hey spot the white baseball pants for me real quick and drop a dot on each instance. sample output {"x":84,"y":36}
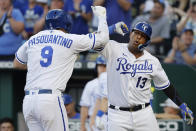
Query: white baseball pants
{"x":142,"y":120}
{"x":45,"y":112}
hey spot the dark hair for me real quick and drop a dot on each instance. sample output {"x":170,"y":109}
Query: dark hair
{"x":7,"y":120}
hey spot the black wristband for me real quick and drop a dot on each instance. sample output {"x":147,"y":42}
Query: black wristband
{"x":172,"y":93}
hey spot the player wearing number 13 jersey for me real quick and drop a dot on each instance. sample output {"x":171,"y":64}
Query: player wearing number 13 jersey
{"x":130,"y":70}
{"x":50,"y":56}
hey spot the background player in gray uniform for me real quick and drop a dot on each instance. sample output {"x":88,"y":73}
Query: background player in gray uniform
{"x":130,"y":70}
{"x":50,"y":56}
{"x":89,"y":97}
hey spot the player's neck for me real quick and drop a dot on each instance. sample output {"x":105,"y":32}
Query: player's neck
{"x":136,"y":53}
{"x":63,"y":30}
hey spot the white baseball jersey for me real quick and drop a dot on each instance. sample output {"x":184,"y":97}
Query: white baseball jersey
{"x":129,"y":79}
{"x":50,"y":56}
{"x":88,"y":98}
{"x":101,"y":91}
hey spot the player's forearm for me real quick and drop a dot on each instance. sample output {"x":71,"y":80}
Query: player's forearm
{"x":124,"y":4}
{"x":104,"y":105}
{"x":172,"y":93}
{"x":18,"y":65}
{"x":188,"y":59}
{"x":102,"y":35}
{"x":84,"y":115}
{"x":96,"y":108}
{"x":170,"y":57}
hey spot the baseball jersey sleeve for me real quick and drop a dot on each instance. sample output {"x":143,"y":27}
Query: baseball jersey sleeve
{"x":92,"y":40}
{"x":160,"y":78}
{"x":110,"y":47}
{"x":21,"y":54}
{"x":85,"y":101}
{"x":103,"y":84}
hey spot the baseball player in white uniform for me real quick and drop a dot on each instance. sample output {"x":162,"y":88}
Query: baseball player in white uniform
{"x":130,"y":69}
{"x":50,"y":56}
{"x":89,"y":97}
{"x":101,"y":113}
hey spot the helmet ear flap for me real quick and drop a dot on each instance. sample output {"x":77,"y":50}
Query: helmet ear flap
{"x":142,"y":46}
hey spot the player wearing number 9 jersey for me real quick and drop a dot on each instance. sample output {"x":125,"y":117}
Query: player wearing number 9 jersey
{"x":50,"y":56}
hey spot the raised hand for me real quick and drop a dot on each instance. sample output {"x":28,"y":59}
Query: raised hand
{"x":185,"y":111}
{"x":99,"y":11}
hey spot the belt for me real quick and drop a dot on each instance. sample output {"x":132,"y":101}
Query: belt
{"x":42,"y":91}
{"x":134,"y":108}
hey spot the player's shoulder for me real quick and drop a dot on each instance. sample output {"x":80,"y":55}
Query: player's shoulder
{"x":150,"y":56}
{"x":103,"y":75}
{"x":116,"y":44}
{"x":92,"y":82}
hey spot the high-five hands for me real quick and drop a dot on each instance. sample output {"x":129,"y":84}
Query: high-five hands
{"x":99,"y":11}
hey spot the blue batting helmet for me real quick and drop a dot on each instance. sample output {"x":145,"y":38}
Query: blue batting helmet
{"x":100,"y":60}
{"x":146,"y":29}
{"x":143,"y":27}
{"x":57,"y":19}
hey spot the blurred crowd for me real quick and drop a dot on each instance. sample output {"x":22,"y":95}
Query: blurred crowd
{"x":173,"y":23}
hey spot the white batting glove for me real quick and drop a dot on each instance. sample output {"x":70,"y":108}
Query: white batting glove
{"x":99,"y":11}
{"x":121,"y":28}
{"x":99,"y":123}
{"x":98,"y":120}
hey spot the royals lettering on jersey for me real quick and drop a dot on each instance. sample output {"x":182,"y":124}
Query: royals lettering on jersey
{"x":132,"y":69}
{"x":52,"y":39}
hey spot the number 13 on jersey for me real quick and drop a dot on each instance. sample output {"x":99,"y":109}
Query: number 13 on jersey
{"x":46,"y":54}
{"x":141,"y":82}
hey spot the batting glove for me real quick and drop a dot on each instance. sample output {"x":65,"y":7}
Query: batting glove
{"x":119,"y":28}
{"x":99,"y":121}
{"x":99,"y":11}
{"x":185,"y":111}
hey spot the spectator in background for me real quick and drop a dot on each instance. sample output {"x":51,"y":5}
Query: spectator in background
{"x":70,"y":107}
{"x":171,"y":110}
{"x":31,"y":12}
{"x":54,"y":4}
{"x":160,"y":27}
{"x":189,"y":20}
{"x":20,"y":3}
{"x":6,"y":124}
{"x":11,"y":25}
{"x":183,"y":50}
{"x":117,"y":10}
{"x":81,"y":13}
{"x":149,"y":4}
